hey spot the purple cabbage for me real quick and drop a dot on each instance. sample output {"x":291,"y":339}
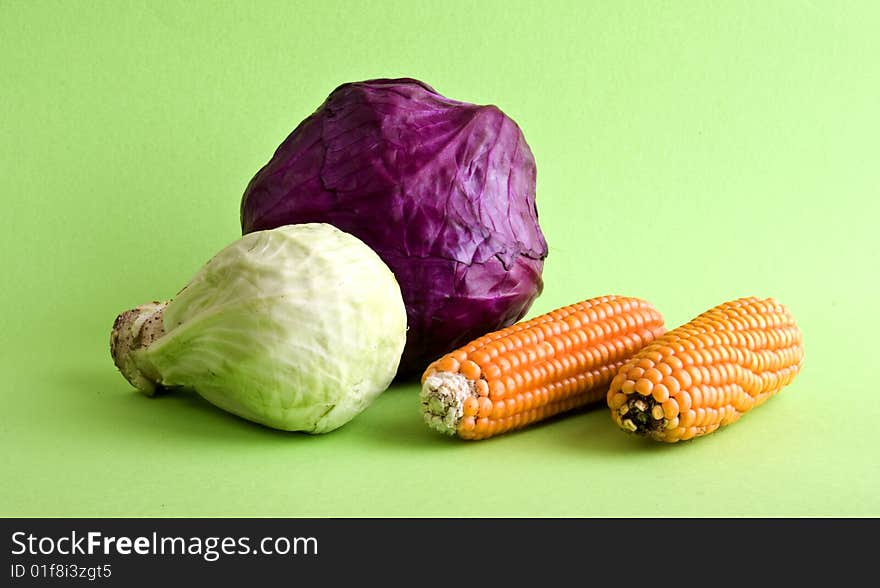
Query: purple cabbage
{"x":442,"y":190}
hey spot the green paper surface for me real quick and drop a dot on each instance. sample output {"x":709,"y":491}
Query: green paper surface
{"x":688,"y":153}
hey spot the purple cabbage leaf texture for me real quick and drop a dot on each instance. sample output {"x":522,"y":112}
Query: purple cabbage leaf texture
{"x":442,"y":190}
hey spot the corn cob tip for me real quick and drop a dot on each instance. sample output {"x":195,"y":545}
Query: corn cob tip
{"x":442,"y":398}
{"x":641,"y":415}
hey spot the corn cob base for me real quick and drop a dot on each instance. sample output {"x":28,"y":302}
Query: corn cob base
{"x":443,"y":397}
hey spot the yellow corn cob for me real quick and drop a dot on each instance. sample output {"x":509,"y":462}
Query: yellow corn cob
{"x":537,"y":368}
{"x":709,"y":372}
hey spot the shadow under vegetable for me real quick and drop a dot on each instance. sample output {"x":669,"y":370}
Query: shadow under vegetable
{"x":110,"y":403}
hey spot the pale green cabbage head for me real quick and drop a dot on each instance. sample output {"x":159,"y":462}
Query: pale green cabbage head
{"x":298,"y":328}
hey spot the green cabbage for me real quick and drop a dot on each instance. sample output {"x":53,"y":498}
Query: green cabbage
{"x":298,"y":328}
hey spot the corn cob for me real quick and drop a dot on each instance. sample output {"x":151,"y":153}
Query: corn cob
{"x":535,"y":369}
{"x":709,"y":372}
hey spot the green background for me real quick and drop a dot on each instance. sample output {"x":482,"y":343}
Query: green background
{"x":688,"y":153}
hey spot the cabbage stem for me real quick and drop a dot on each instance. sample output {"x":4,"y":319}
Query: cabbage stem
{"x":134,"y":330}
